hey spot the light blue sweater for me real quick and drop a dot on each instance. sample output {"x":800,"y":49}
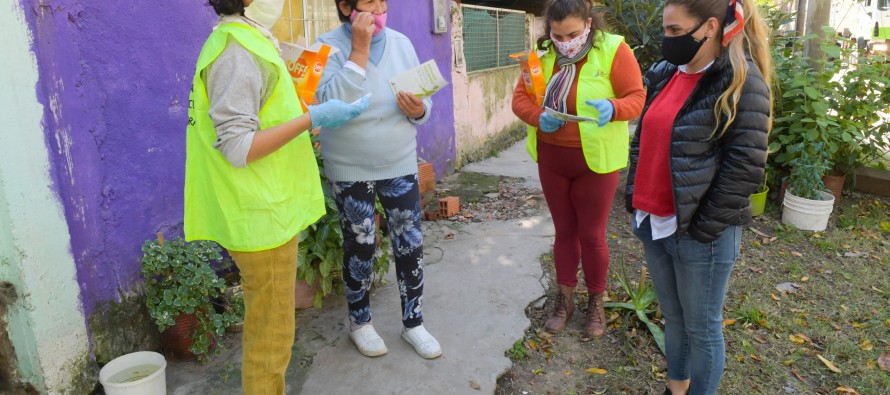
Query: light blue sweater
{"x":382,"y":142}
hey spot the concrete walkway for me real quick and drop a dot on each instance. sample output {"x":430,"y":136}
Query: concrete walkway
{"x":479,"y":279}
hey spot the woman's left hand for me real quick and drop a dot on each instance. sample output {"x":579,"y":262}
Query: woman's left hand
{"x":411,"y":105}
{"x":605,"y":108}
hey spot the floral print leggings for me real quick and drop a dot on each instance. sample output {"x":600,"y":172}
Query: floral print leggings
{"x":400,"y":198}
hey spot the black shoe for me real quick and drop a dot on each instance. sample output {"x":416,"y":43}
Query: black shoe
{"x":667,"y":391}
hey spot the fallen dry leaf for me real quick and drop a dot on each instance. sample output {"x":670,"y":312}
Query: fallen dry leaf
{"x":794,"y":372}
{"x":728,"y":323}
{"x":797,"y":254}
{"x":567,"y":373}
{"x":532,"y":345}
{"x":846,"y":390}
{"x":804,"y":279}
{"x":597,"y":371}
{"x":877,"y":290}
{"x":866,"y":345}
{"x":798,"y":339}
{"x":884,"y":361}
{"x":756,"y":270}
{"x":774,"y":297}
{"x":788,"y":287}
{"x":759,"y":233}
{"x":831,"y":366}
{"x":474,"y":385}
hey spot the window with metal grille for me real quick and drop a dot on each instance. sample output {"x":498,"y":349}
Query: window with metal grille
{"x":306,"y":18}
{"x":491,"y":35}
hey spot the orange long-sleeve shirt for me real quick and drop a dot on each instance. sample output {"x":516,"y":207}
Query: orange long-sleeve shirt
{"x":630,"y":97}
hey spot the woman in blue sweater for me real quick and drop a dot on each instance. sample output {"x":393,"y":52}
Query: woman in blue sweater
{"x":375,"y":155}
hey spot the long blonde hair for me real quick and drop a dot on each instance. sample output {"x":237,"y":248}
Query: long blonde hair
{"x":752,"y":41}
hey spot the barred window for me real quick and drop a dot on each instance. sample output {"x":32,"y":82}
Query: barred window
{"x":306,"y":18}
{"x":491,"y":35}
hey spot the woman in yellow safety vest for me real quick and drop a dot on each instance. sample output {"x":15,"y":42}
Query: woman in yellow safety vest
{"x":252,"y":183}
{"x":592,"y":74}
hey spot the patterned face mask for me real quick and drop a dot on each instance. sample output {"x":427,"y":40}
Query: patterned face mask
{"x":571,"y":48}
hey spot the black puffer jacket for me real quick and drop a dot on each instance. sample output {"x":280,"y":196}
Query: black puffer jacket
{"x":713,"y":178}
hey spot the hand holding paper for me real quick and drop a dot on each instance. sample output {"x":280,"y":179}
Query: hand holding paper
{"x":550,"y":124}
{"x":411,"y":105}
{"x":606,"y":109}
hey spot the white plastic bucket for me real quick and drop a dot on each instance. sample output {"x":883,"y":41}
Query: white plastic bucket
{"x":807,"y":214}
{"x":138,"y":373}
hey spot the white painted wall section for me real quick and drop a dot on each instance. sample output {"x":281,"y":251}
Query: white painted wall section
{"x":46,"y":325}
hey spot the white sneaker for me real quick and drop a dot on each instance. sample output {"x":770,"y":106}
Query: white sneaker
{"x":367,"y":341}
{"x":423,"y":342}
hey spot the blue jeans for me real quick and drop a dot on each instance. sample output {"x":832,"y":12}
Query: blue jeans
{"x":690,"y":280}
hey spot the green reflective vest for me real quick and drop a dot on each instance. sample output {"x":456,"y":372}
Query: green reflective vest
{"x":605,"y":148}
{"x":267,"y":203}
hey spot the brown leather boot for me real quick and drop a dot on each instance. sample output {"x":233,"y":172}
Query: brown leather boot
{"x":596,"y":317}
{"x":562,"y":310}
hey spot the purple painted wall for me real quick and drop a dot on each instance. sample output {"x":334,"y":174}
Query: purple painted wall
{"x":435,"y":138}
{"x":114,"y":79}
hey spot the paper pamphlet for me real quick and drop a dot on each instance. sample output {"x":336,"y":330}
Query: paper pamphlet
{"x":532,"y":75}
{"x":422,"y":81}
{"x":567,"y":117}
{"x":306,"y":66}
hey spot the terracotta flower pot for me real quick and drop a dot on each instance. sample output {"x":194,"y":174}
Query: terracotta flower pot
{"x":304,"y":295}
{"x":177,"y":339}
{"x":835,"y":184}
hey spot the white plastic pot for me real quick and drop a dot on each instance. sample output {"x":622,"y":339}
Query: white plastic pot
{"x":138,"y":373}
{"x":806,"y":214}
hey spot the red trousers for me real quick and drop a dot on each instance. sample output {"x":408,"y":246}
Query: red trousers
{"x":580,"y":201}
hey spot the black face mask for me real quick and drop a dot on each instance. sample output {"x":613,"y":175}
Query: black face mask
{"x":681,"y":50}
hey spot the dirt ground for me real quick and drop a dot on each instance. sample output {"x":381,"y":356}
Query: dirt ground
{"x":826,"y":331}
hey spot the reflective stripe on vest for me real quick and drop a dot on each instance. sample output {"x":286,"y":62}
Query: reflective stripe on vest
{"x":605,"y":148}
{"x":267,"y":203}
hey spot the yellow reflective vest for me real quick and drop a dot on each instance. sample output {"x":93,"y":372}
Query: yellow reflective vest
{"x":605,"y":148}
{"x":267,"y":203}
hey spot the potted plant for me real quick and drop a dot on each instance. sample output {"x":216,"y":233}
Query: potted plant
{"x":807,"y":205}
{"x":320,"y":254}
{"x":758,"y":198}
{"x":182,"y":285}
{"x":860,"y":97}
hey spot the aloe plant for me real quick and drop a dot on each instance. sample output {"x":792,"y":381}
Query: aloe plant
{"x":642,"y":302}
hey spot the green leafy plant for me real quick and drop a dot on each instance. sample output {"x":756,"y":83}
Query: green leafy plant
{"x":807,"y":168}
{"x":320,"y":257}
{"x":640,"y":24}
{"x":642,"y":303}
{"x":860,"y":98}
{"x":839,"y":99}
{"x":180,"y":279}
{"x":518,"y":351}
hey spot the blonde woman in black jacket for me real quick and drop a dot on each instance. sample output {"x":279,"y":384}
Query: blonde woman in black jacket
{"x":697,"y":156}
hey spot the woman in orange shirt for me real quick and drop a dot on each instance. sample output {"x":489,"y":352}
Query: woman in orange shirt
{"x":579,"y":163}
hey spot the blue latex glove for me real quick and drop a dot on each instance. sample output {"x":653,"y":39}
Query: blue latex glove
{"x":333,"y":114}
{"x":606,"y":109}
{"x":550,"y":124}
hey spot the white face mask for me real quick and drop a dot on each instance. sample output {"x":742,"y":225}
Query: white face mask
{"x":571,"y":48}
{"x":265,"y":12}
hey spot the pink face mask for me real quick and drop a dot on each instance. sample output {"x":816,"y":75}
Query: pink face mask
{"x":571,"y":48}
{"x":379,"y":21}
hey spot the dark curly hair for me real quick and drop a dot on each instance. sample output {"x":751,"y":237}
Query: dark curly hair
{"x":227,"y":7}
{"x":351,"y":3}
